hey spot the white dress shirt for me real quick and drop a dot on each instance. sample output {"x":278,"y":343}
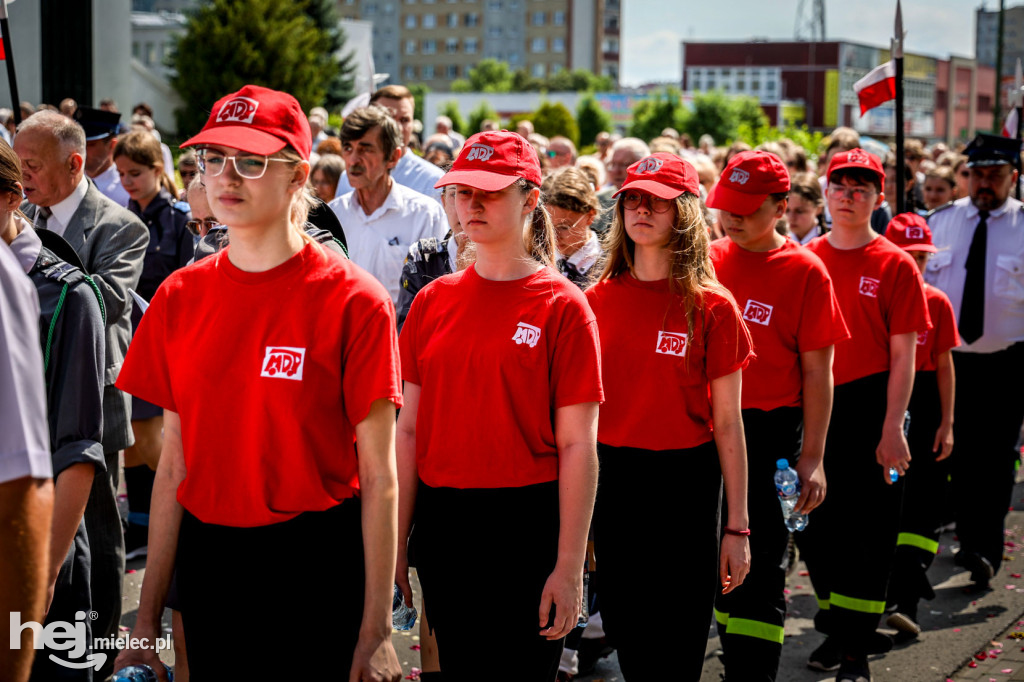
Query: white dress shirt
{"x":586,"y":256}
{"x":411,"y":171}
{"x":109,"y":184}
{"x":952,"y":232}
{"x":64,"y":209}
{"x":379,"y":242}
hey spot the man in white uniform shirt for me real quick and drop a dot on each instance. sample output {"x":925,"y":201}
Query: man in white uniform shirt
{"x":100,"y":139}
{"x":411,"y":170}
{"x":380,"y":216}
{"x":980,"y":266}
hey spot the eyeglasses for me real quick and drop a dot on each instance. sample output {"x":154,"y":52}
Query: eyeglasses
{"x":854,"y":193}
{"x":632,"y":201}
{"x":566,"y":227}
{"x":196,"y":226}
{"x":248,"y":166}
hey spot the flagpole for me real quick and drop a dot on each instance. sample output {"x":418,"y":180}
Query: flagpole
{"x":897,"y":54}
{"x":9,"y":60}
{"x":1018,"y":102}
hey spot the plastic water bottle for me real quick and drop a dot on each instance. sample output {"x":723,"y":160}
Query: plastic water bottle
{"x":894,"y":475}
{"x":787,"y":484}
{"x":402,"y":617}
{"x":140,"y":673}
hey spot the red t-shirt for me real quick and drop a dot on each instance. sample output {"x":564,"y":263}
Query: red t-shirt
{"x":943,"y":335}
{"x":269,"y":371}
{"x":657,"y":378}
{"x":881,"y":294}
{"x":494,"y":360}
{"x":790,"y":308}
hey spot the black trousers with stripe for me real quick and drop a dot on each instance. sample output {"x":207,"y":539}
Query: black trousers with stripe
{"x":923,"y":487}
{"x":986,"y":427}
{"x":652,"y":505}
{"x":848,"y":544}
{"x":751,"y":617}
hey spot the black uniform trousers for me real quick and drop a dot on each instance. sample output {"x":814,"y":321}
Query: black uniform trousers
{"x":850,"y":539}
{"x":483,"y":557}
{"x":923,"y":487}
{"x":751,"y":617}
{"x":652,"y":505}
{"x":986,"y":426}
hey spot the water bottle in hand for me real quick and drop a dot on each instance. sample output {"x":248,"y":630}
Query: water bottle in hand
{"x":787,"y":484}
{"x":140,"y":673}
{"x":402,"y":617}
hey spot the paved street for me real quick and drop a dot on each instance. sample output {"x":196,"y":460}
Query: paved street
{"x":957,"y":627}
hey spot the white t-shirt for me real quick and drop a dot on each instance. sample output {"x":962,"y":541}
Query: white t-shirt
{"x":109,"y":184}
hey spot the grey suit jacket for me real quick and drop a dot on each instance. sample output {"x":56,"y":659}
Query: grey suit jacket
{"x":111,"y":242}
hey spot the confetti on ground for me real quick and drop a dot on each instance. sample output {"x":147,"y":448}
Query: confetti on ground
{"x":130,"y":570}
{"x":414,"y":674}
{"x":956,"y":629}
{"x":124,"y":628}
{"x":785,"y":591}
{"x":1006,"y":671}
{"x":415,"y":647}
{"x":805,"y":573}
{"x":972,"y":664}
{"x":1011,"y":587}
{"x":981,"y":655}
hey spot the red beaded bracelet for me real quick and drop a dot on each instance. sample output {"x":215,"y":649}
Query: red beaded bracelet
{"x":743,"y":533}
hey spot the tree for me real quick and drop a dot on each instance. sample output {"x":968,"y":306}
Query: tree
{"x":341,"y":87}
{"x":555,"y":119}
{"x":419,"y":92}
{"x":451,"y":110}
{"x":481,"y":113}
{"x":489,"y":75}
{"x":228,"y":44}
{"x":653,"y":115}
{"x":591,"y":119}
{"x":721,"y":116}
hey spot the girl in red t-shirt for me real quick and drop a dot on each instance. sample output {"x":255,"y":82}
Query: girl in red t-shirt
{"x":270,"y":359}
{"x":673,"y":345}
{"x":497,"y":439}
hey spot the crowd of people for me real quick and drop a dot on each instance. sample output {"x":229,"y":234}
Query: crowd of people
{"x":332,"y":356}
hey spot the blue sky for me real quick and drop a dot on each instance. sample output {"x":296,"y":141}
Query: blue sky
{"x":652,"y":33}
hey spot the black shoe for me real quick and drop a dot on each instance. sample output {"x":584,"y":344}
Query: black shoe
{"x":980,"y":568}
{"x":826,"y":657}
{"x":854,"y":670}
{"x":590,"y":651}
{"x":879,"y":643}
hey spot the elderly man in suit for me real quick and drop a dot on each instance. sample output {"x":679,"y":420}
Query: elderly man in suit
{"x":111,"y":243}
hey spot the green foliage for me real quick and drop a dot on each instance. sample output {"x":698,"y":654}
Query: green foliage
{"x":228,"y":44}
{"x":591,"y":119}
{"x":721,"y":116}
{"x":419,"y":92}
{"x":489,"y":75}
{"x":651,"y":116}
{"x":341,"y":86}
{"x":451,"y":110}
{"x":553,"y":119}
{"x":482,"y":112}
{"x":811,"y":141}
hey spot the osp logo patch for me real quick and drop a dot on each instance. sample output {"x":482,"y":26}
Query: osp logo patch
{"x":526,"y":333}
{"x":857,"y":156}
{"x":760,"y":313}
{"x":480,"y":152}
{"x":915,"y":233}
{"x":238,"y":110}
{"x":739,"y":176}
{"x":283,"y":362}
{"x":649,"y":165}
{"x":869,"y":287}
{"x":922,"y":338}
{"x":671,"y":343}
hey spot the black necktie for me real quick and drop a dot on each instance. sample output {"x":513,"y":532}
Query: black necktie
{"x":972,"y":307}
{"x":42,"y":215}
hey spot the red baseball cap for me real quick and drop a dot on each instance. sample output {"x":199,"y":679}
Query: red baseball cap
{"x":664,"y":175}
{"x":747,"y":181}
{"x":857,"y":158}
{"x":493,"y":160}
{"x":910,"y":232}
{"x":257,"y":120}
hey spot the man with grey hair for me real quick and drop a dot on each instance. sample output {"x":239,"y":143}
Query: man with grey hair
{"x":111,"y":243}
{"x":382,"y":218}
{"x":561,"y":152}
{"x":444,"y":126}
{"x":624,"y":153}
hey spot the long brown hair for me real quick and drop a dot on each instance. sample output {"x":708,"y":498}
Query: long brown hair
{"x":691,"y":274}
{"x":539,"y":238}
{"x":142,"y":148}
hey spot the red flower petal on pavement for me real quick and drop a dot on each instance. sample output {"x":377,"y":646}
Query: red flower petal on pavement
{"x":415,"y":647}
{"x":130,"y":570}
{"x":972,"y":664}
{"x":1006,"y":671}
{"x":981,"y":655}
{"x":803,"y":574}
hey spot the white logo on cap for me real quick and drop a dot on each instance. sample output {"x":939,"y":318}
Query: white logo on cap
{"x":238,"y":110}
{"x":480,"y":152}
{"x":915,"y":233}
{"x":649,"y":165}
{"x":857,"y":156}
{"x":739,"y":176}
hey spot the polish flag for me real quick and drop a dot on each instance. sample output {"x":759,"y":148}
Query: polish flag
{"x":877,"y":87}
{"x":1010,"y":124}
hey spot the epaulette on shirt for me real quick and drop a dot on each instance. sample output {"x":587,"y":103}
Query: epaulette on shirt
{"x":423,"y":249}
{"x":937,"y":209}
{"x":59,"y":270}
{"x":182,"y":206}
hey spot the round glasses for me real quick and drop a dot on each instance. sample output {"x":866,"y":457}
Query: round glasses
{"x":196,"y":226}
{"x":854,"y":193}
{"x":249,"y":166}
{"x":632,"y":201}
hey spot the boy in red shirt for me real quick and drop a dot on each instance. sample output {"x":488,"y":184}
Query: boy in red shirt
{"x":789,"y":305}
{"x":881,"y":296}
{"x":930,"y":437}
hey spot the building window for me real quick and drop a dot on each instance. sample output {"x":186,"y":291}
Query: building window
{"x":428,"y":72}
{"x":538,"y":45}
{"x":136,"y":50}
{"x":429,"y":21}
{"x":494,"y":4}
{"x":494,"y":32}
{"x":453,"y":20}
{"x":611,"y":23}
{"x":558,"y":44}
{"x":410,"y":72}
{"x":389,"y":8}
{"x":429,"y":47}
{"x":451,"y":45}
{"x":452,"y":72}
{"x":369,"y":9}
{"x":538,"y":71}
{"x":558,"y":18}
{"x":472,"y":19}
{"x":556,"y":67}
{"x":469,"y":45}
{"x":537,"y":18}
{"x":410,"y":47}
{"x":514,"y":58}
{"x":410,"y":21}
